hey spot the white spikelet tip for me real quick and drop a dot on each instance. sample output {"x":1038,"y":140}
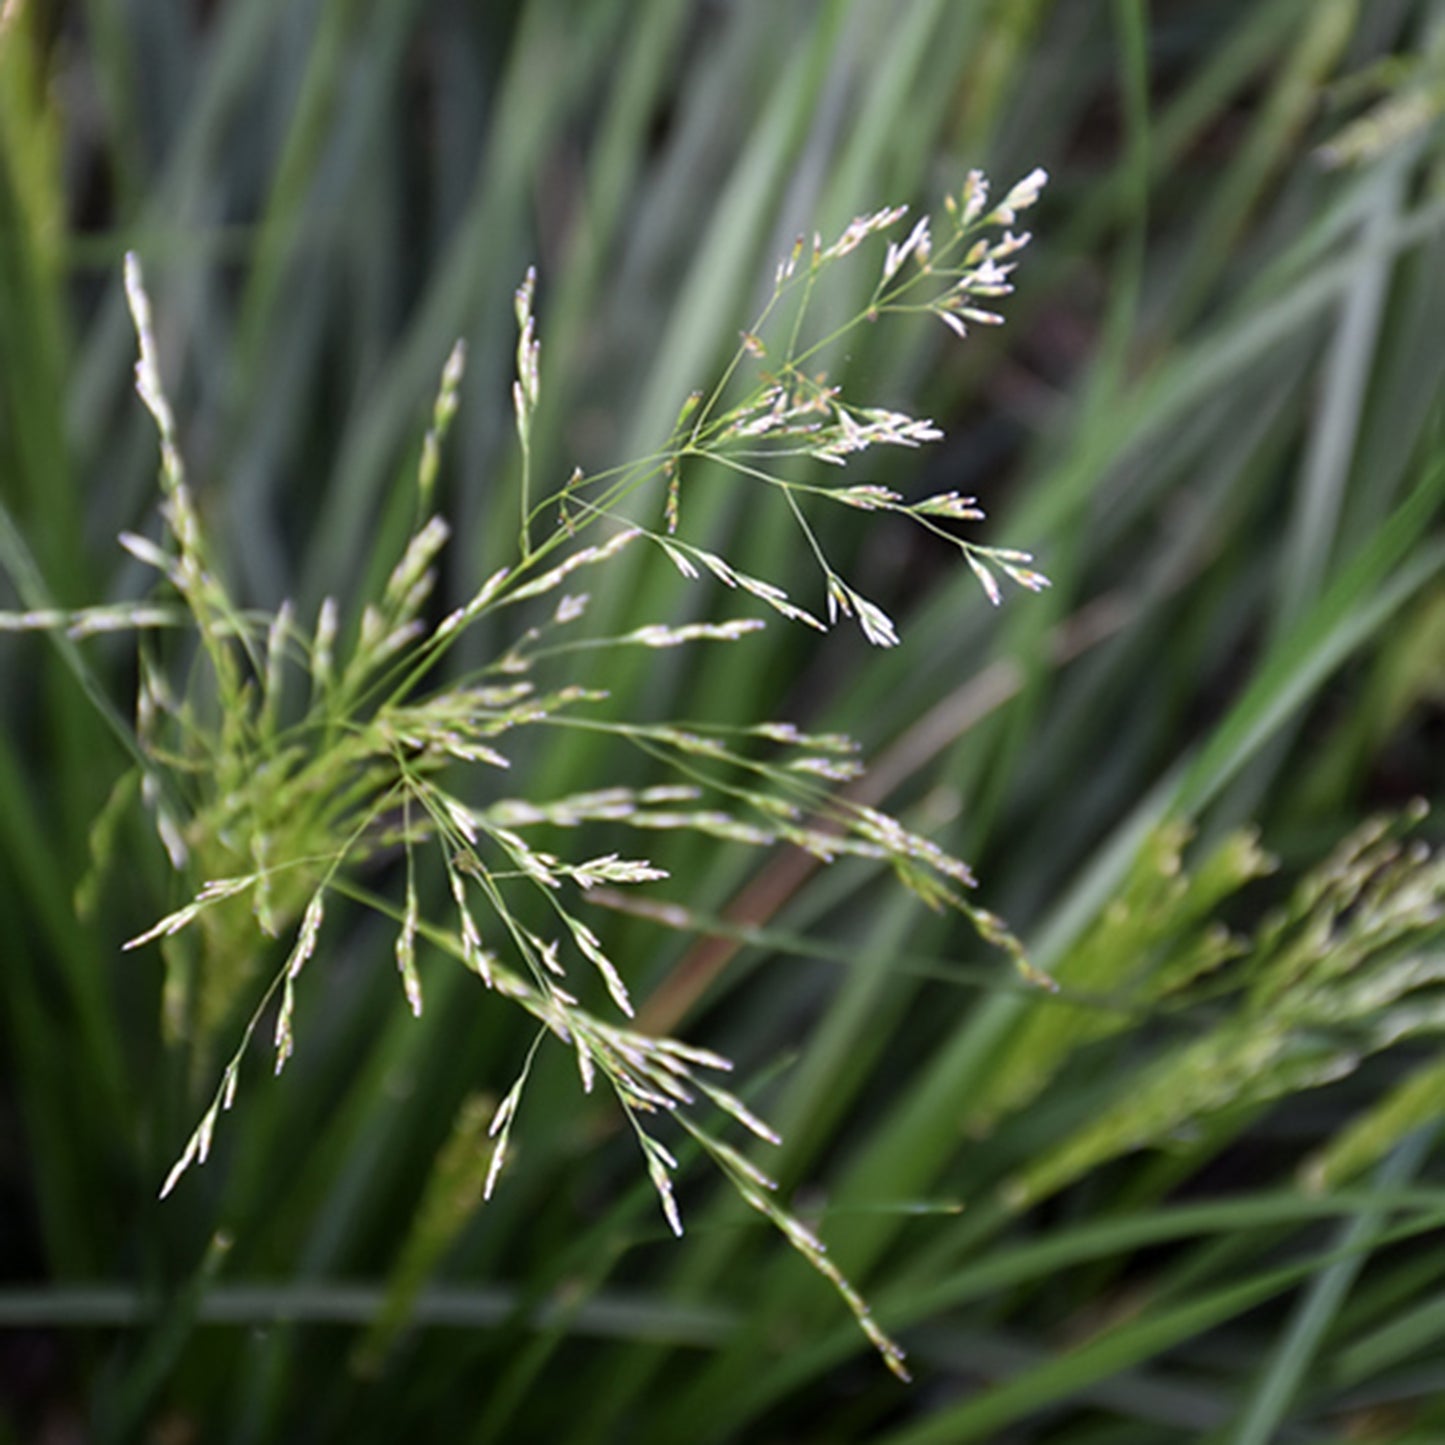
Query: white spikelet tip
{"x":669,"y":1209}
{"x":179,"y":1168}
{"x":135,"y":293}
{"x":456,"y":365}
{"x":494,"y":1168}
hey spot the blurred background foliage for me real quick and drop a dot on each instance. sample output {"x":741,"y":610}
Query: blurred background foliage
{"x":1196,"y":1195}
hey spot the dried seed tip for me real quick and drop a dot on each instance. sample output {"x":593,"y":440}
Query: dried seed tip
{"x":867,"y":498}
{"x":420,"y":552}
{"x":657,"y":1172}
{"x":144,"y":550}
{"x":731,"y":1104}
{"x":829,"y":768}
{"x":527,"y":387}
{"x":877,"y":626}
{"x":135,"y":294}
{"x":612,"y":869}
{"x":180,"y":1166}
{"x":586,"y":557}
{"x":406,"y":952}
{"x":716,"y":566}
{"x":589,"y":945}
{"x":494,"y":1169}
{"x":452,"y":373}
{"x":950,"y":504}
{"x":1036,"y":977}
{"x":324,"y":642}
{"x":147,"y":370}
{"x":973,"y":198}
{"x":918,"y":244}
{"x":679,"y":560}
{"x":789,"y":264}
{"x":306,"y":939}
{"x":690,"y":404}
{"x":1027,"y":577}
{"x":778,"y":732}
{"x":484,"y":595}
{"x":951,"y":321}
{"x":894,"y":1359}
{"x":570,"y":608}
{"x":658,"y":635}
{"x":859,"y":229}
{"x":504,"y":1111}
{"x":522,"y":298}
{"x":276,"y":637}
{"x":585,"y":1068}
{"x":205,"y":1133}
{"x":705,"y":1058}
{"x":211,"y":892}
{"x":547,"y":951}
{"x":989,"y":581}
{"x":1026,"y":193}
{"x":997,"y":252}
{"x":285,"y":1043}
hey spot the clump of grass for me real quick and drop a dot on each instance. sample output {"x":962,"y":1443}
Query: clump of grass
{"x":285,"y":769}
{"x":1348,"y":966}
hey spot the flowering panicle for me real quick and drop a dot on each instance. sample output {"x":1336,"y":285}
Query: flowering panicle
{"x":291,"y":795}
{"x":795,"y":413}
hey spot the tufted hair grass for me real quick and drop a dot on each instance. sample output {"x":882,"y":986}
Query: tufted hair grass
{"x":1191,"y":1193}
{"x":285,"y":771}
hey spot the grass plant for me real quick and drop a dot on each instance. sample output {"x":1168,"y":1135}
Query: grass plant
{"x":1193,"y":1192}
{"x":288,"y":809}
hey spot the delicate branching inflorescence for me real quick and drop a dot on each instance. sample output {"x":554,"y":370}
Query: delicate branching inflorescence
{"x":793,"y":414}
{"x":278,"y":807}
